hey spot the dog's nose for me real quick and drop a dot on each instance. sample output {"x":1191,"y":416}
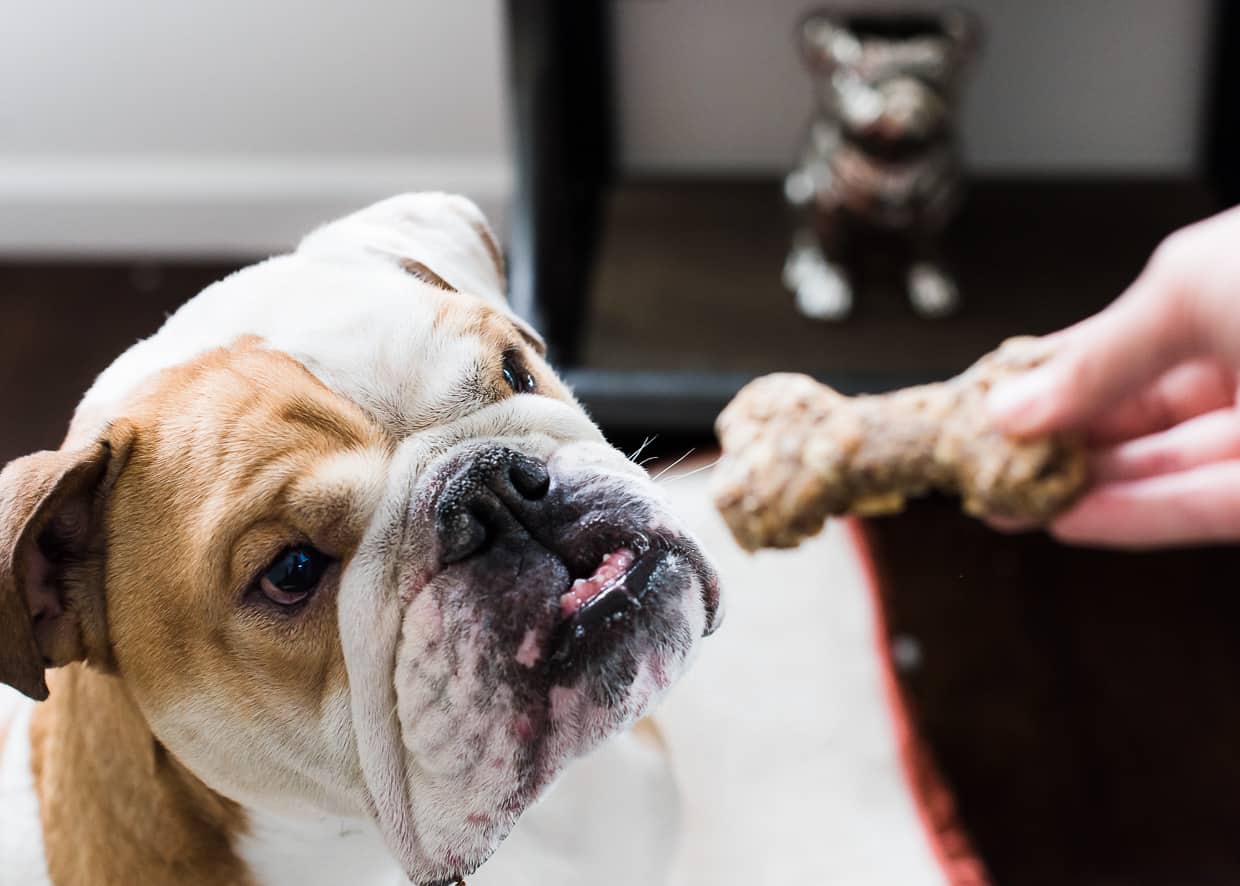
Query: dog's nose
{"x":490,"y":497}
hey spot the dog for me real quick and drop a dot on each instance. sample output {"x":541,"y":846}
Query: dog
{"x":329,"y":580}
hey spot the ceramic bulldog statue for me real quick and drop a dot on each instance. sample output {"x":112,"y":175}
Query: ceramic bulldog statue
{"x":880,"y":154}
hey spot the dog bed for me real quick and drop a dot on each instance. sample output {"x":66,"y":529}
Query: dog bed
{"x":917,"y":699}
{"x":791,"y":738}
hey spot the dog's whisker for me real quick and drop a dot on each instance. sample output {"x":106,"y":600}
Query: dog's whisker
{"x":705,"y":467}
{"x":640,"y":449}
{"x":647,"y":460}
{"x":673,"y":464}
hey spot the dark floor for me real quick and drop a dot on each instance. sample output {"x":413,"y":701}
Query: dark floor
{"x":61,"y":324}
{"x":1083,"y":705}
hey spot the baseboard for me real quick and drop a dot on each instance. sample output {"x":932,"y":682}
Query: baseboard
{"x":169,"y":206}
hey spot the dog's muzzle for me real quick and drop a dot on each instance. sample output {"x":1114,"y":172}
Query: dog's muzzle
{"x":547,"y":601}
{"x":565,"y":570}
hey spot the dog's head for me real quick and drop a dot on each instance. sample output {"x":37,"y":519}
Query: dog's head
{"x":351,"y":546}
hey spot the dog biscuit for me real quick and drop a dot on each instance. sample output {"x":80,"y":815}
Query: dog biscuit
{"x":796,"y":451}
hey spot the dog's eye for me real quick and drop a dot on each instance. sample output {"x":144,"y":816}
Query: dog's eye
{"x":516,"y":376}
{"x":294,"y":575}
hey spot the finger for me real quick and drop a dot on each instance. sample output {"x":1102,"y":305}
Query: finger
{"x":1208,"y":438}
{"x":1195,"y":506}
{"x":1190,"y":389}
{"x":1097,"y":363}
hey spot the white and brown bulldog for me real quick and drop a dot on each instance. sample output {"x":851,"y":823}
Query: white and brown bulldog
{"x":335,"y":577}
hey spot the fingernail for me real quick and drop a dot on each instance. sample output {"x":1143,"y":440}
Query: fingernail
{"x":1019,"y":403}
{"x":1010,"y":525}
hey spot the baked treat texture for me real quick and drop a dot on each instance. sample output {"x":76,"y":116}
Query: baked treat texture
{"x":796,"y":451}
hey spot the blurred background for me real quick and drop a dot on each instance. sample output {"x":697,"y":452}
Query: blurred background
{"x":632,"y":154}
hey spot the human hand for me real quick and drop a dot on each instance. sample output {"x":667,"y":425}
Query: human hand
{"x":1151,"y":382}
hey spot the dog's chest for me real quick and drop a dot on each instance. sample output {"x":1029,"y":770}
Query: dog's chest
{"x":316,"y":852}
{"x":21,"y":835}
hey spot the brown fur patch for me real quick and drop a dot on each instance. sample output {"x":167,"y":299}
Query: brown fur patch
{"x":233,"y":457}
{"x":115,"y":806}
{"x":230,"y":441}
{"x":425,"y":274}
{"x":488,"y":240}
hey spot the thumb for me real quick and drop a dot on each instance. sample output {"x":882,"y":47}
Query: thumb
{"x":1096,"y":363}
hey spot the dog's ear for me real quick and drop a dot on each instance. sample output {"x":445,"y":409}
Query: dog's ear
{"x":822,"y":41}
{"x":51,"y":560}
{"x":963,"y":28}
{"x":443,"y":239}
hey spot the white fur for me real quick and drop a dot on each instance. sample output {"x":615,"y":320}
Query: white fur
{"x":316,"y":850}
{"x":22,"y":861}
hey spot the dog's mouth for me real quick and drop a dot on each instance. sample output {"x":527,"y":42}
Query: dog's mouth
{"x":624,"y":582}
{"x":585,"y":594}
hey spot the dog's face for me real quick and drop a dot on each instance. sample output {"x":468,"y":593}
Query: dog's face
{"x":362,"y":555}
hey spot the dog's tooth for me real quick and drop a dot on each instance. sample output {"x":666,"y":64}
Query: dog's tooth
{"x":608,"y":577}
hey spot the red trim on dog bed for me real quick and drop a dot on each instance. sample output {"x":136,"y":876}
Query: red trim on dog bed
{"x":936,"y":806}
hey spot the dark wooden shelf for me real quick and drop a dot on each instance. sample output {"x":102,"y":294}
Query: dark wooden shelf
{"x":686,"y":302}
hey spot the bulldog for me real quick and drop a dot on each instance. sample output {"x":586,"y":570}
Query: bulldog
{"x":329,"y":580}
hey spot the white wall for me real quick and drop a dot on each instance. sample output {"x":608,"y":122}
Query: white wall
{"x":190,"y":126}
{"x":1110,"y":86}
{"x":232,"y":126}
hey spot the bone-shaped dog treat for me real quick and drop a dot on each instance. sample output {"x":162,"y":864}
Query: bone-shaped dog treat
{"x":796,"y":452}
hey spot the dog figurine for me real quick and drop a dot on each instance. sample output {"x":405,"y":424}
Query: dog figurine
{"x":880,"y":153}
{"x":329,"y":580}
